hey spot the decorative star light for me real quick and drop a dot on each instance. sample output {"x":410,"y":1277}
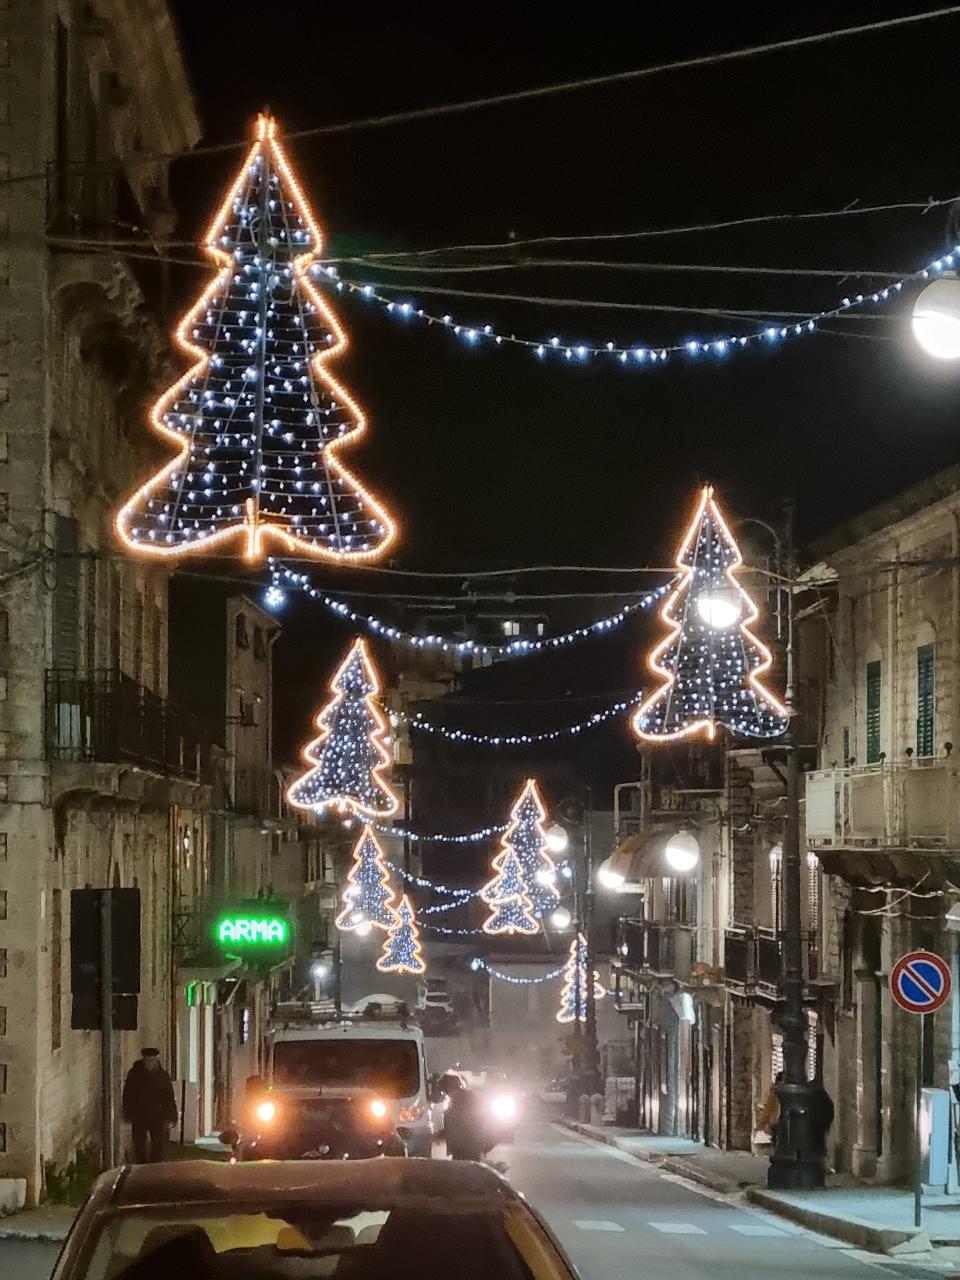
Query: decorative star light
{"x":709,"y":662}
{"x":258,"y":421}
{"x":348,"y":758}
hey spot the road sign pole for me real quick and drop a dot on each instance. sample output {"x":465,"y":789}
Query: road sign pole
{"x":106,"y":1029}
{"x":918,"y":1154}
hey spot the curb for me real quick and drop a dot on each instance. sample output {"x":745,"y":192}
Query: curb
{"x":855,"y":1231}
{"x":37,"y":1236}
{"x":672,"y":1164}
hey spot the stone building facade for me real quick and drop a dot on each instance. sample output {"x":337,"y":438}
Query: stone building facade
{"x":100,"y":778}
{"x":883,"y":808}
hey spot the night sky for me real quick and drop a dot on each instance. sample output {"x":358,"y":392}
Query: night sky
{"x":491,"y":459}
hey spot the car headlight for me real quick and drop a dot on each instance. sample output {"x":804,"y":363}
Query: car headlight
{"x":378,"y":1108}
{"x":409,"y":1114}
{"x":266,"y":1111}
{"x":504,"y":1106}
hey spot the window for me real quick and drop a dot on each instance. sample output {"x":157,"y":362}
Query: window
{"x":846,"y":746}
{"x":3,"y":1077}
{"x":243,"y":640}
{"x":66,"y":594}
{"x":138,"y":615}
{"x":90,"y":615}
{"x":259,"y":644}
{"x":3,"y":962}
{"x":157,"y":628}
{"x":56,"y":969}
{"x":3,"y":846}
{"x":511,"y":628}
{"x":925,"y":655}
{"x":873,"y":712}
{"x":3,"y":1019}
{"x":3,"y":1137}
{"x":3,"y":904}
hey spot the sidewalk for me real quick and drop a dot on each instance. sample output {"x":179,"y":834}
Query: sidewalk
{"x":879,"y":1219}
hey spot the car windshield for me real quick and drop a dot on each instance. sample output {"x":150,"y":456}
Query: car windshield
{"x":302,"y":1241}
{"x":391,"y":1067}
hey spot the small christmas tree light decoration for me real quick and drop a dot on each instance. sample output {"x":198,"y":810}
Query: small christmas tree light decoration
{"x":527,"y":838}
{"x":401,"y":951}
{"x":258,"y":421}
{"x":574,"y":993}
{"x":368,"y":896}
{"x":348,"y":757}
{"x":710,"y":662}
{"x":512,"y":911}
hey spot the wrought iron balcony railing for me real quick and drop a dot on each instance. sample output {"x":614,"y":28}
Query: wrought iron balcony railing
{"x":107,"y":716}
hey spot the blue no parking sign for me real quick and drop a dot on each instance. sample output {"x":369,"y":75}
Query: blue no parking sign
{"x":920,"y":982}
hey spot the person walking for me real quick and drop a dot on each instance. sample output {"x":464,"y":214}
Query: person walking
{"x":149,"y":1106}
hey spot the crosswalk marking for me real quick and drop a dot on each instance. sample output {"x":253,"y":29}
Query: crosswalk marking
{"x":756,"y":1229}
{"x":596,"y":1224}
{"x":678,"y":1228}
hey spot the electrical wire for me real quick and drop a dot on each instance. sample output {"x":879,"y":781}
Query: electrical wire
{"x":604,"y":265}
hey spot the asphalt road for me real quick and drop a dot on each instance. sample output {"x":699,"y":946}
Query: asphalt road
{"x":621,"y":1219}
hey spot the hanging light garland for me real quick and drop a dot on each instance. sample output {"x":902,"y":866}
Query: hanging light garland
{"x":422,"y":882}
{"x":477,"y":965}
{"x":463,"y":648}
{"x":709,"y":663}
{"x":522,"y":739}
{"x":257,"y":421}
{"x":439,"y":837}
{"x":631,"y":355}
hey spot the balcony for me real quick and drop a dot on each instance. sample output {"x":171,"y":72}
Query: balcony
{"x":908,"y":805}
{"x":753,"y":959}
{"x":659,"y":948}
{"x":108,"y":718}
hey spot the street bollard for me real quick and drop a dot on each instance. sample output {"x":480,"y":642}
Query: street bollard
{"x":584,"y":1108}
{"x":596,"y":1109}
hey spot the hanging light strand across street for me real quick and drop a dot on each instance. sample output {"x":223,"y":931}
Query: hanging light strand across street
{"x":635,"y":355}
{"x":524,"y":739}
{"x":513,"y":649}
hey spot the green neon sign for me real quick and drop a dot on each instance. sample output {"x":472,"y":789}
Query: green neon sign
{"x":253,"y":926}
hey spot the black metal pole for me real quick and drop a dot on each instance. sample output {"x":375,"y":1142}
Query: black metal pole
{"x":591,"y":1073}
{"x":799,"y":1156}
{"x":107,"y":1118}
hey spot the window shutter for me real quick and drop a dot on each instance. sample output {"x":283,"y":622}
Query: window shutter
{"x":925,"y":655}
{"x":873,"y":712}
{"x":66,"y":595}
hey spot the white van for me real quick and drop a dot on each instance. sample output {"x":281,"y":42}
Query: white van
{"x":379,"y":1054}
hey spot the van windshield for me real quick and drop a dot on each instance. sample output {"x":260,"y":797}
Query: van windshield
{"x":391,"y":1067}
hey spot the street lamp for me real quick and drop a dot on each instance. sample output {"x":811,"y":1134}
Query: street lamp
{"x":682,"y":851}
{"x":609,"y":875}
{"x":561,"y":918}
{"x":936,"y":318}
{"x":719,"y":607}
{"x":557,"y":838}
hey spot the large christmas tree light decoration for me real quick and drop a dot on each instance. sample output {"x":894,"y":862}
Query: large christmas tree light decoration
{"x":573,"y":997}
{"x":512,"y":910}
{"x":258,"y":421}
{"x":368,"y":896}
{"x":401,"y":951}
{"x":348,"y":757}
{"x":710,"y":662}
{"x":526,"y":837}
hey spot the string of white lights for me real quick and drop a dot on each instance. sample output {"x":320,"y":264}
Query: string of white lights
{"x":274,"y":598}
{"x":423,"y":883}
{"x":470,"y":837}
{"x":476,"y":964}
{"x":522,"y":739}
{"x":631,"y":355}
{"x":454,"y":933}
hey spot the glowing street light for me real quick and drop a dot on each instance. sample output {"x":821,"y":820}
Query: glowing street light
{"x":609,"y":876}
{"x":936,"y":318}
{"x":557,"y":838}
{"x":561,"y":918}
{"x":682,"y":851}
{"x":719,"y":608}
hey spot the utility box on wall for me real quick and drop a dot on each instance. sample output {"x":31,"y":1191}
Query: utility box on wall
{"x":934,"y":1137}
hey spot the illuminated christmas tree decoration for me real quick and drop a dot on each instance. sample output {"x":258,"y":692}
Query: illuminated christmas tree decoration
{"x":348,"y":758}
{"x":573,"y":997}
{"x":512,"y":911}
{"x":401,"y":951}
{"x":258,"y":421}
{"x":368,"y":896}
{"x":710,"y":663}
{"x":526,"y":838}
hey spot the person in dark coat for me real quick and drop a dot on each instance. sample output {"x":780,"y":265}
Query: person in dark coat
{"x":149,"y":1106}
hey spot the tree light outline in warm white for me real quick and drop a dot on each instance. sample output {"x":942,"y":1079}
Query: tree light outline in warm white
{"x":257,"y":530}
{"x":528,"y":923}
{"x":344,"y":920}
{"x":311,"y":752}
{"x":568,"y":1002}
{"x":531,"y":789}
{"x":707,"y":725}
{"x":405,"y":917}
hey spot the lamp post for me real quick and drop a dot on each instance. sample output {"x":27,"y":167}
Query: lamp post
{"x":799,"y":1156}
